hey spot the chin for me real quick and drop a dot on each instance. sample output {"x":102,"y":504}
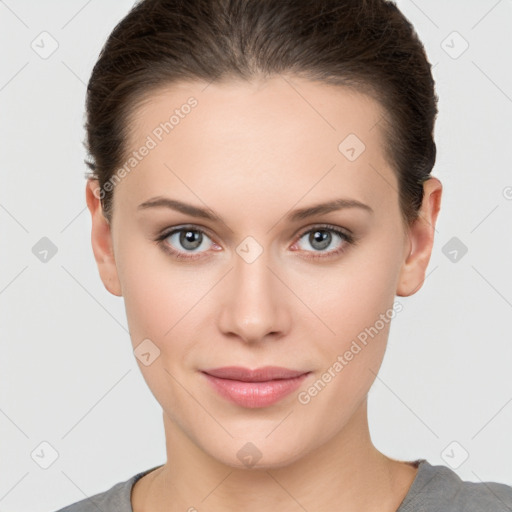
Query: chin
{"x":256,"y":455}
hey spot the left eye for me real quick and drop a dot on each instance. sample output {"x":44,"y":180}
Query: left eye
{"x":321,"y":238}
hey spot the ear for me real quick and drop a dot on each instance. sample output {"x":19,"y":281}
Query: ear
{"x":420,"y":240}
{"x":101,"y":238}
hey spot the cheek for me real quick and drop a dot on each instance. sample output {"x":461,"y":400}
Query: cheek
{"x":360,"y":312}
{"x":158,"y":297}
{"x":157,"y":293}
{"x":362,"y":288}
{"x":357,"y":304}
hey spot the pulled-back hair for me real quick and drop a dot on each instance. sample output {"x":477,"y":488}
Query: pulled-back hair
{"x":367,"y":45}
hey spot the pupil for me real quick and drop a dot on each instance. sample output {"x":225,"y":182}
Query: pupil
{"x":188,"y":239}
{"x":323,"y":239}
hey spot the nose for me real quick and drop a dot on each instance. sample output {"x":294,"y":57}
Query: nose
{"x":254,"y":301}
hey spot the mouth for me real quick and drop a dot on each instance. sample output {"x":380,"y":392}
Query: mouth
{"x":256,"y":388}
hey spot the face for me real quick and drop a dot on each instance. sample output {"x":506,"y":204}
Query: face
{"x":264,"y":279}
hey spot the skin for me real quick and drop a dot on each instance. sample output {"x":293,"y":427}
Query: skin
{"x":251,"y":153}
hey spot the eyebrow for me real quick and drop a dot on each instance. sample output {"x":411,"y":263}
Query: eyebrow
{"x":294,"y":216}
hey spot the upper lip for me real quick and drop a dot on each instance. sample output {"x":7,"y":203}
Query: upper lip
{"x":262,"y":374}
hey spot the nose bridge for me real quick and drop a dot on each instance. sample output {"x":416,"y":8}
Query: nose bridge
{"x":251,"y":269}
{"x":254,"y":306}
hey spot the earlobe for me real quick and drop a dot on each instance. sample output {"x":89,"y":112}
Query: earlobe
{"x":101,"y":239}
{"x":421,"y":240}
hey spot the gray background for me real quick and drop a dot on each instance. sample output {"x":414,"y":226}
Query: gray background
{"x":68,"y":376}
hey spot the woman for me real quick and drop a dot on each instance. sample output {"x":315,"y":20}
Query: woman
{"x":261,"y":190}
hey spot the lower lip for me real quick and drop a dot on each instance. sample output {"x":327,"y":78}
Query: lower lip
{"x":255,"y":394}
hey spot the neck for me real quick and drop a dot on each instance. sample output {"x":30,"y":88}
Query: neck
{"x":347,"y":473}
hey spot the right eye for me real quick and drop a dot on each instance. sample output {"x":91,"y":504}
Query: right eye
{"x":182,"y":240}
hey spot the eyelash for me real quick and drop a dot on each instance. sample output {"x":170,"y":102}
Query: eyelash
{"x":346,"y":237}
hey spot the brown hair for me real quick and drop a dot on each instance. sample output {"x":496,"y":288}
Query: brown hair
{"x":367,"y":45}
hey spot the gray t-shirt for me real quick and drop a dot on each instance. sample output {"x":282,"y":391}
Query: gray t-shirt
{"x":434,"y":489}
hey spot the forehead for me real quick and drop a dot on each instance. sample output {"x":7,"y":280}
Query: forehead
{"x":262,"y":135}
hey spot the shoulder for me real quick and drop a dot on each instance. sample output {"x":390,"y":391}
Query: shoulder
{"x":111,"y":500}
{"x":115,"y":499}
{"x":440,"y":488}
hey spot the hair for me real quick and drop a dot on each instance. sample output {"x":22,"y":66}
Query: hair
{"x":366,"y":45}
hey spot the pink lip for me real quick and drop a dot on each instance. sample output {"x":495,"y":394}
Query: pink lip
{"x":254,"y":388}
